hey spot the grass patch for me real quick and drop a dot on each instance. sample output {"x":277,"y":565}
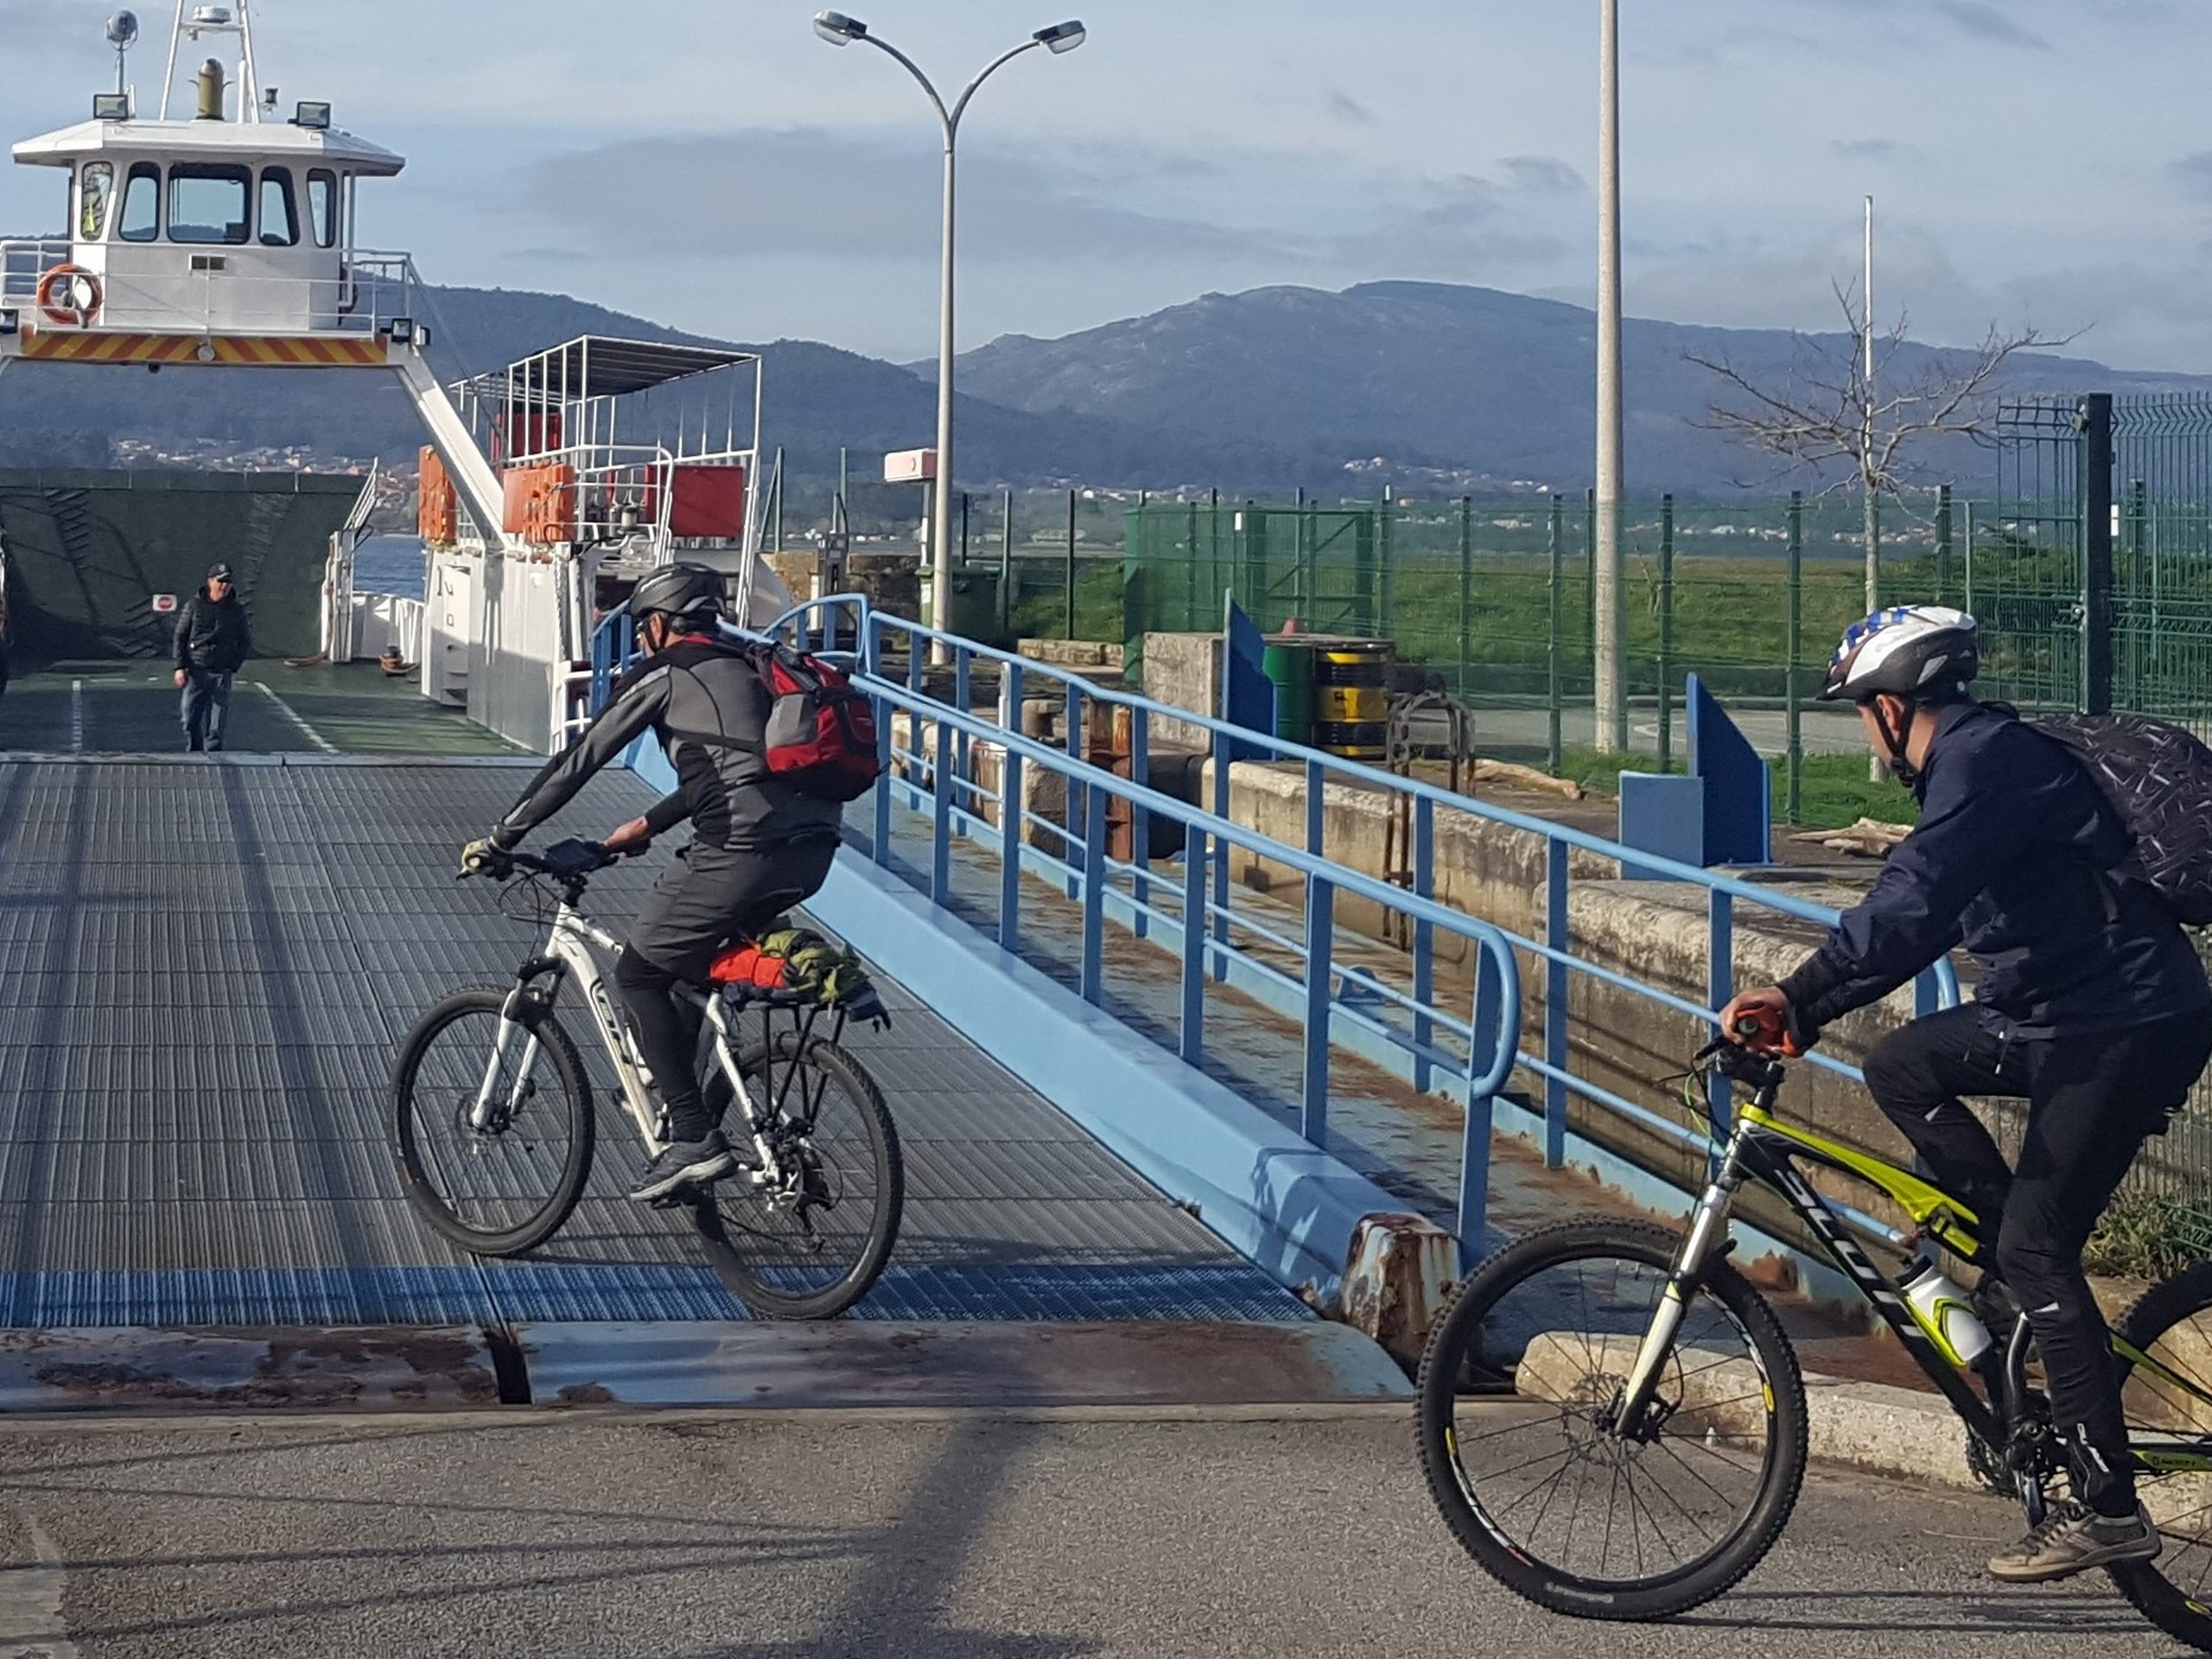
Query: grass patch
{"x":1835,"y":787}
{"x":2145,"y":1237}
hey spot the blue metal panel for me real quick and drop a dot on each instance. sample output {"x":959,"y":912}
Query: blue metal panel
{"x":1663,"y":815}
{"x":1739,"y":793}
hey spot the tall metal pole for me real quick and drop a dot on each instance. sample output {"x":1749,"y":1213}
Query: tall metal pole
{"x":940,"y":522}
{"x":1610,"y":621}
{"x":840,"y":30}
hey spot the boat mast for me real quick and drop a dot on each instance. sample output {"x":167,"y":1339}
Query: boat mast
{"x":236,"y":19}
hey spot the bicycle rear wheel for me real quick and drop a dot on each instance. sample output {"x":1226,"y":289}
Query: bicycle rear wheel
{"x":2171,"y":1324}
{"x":1517,"y":1397}
{"x":809,"y":1245}
{"x":506,"y":1187}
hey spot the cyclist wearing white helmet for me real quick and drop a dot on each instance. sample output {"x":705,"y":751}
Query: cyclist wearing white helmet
{"x":2092,"y":1006}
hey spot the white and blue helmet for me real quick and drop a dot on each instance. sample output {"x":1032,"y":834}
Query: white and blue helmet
{"x":1928,"y":653}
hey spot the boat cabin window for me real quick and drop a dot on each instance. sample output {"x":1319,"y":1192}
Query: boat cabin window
{"x":280,"y":213}
{"x":95,"y":187}
{"x":322,"y":207}
{"x":209,"y":202}
{"x":142,"y":204}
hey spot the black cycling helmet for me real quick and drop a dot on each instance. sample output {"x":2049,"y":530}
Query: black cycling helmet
{"x":685,"y":594}
{"x":1924,"y":654}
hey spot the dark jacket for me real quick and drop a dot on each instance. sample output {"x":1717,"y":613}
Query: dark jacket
{"x":707,"y":704}
{"x":2012,"y":857}
{"x":211,"y":634}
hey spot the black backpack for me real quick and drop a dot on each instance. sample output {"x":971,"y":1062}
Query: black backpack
{"x":2159,"y":779}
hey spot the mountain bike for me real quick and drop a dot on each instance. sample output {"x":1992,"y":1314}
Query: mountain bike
{"x":493,"y":1127}
{"x":1613,"y":1422}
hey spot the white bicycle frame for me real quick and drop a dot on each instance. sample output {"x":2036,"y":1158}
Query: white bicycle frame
{"x":576,"y":945}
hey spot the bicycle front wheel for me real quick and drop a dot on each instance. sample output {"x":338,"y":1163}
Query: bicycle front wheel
{"x":1519,"y":1397}
{"x":2168,"y":1406}
{"x":809,"y":1242}
{"x":504,"y":1186}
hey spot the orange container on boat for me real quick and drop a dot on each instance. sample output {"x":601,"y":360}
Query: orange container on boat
{"x":541,"y":503}
{"x":437,"y":513}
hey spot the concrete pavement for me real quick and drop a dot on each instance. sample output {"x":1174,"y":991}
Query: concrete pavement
{"x":906,"y":1534}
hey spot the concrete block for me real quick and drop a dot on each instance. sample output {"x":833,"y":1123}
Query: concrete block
{"x":1398,"y":1276}
{"x":1183,"y":672}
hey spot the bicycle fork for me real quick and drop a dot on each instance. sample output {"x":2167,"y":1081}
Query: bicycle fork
{"x":1707,"y":1242}
{"x":485,"y":1112}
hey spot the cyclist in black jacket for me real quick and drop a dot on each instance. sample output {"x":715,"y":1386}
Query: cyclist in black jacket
{"x":759,"y":846}
{"x":2092,"y":1006}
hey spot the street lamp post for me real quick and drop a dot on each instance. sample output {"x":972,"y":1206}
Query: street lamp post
{"x":1607,"y":600}
{"x":841,"y":30}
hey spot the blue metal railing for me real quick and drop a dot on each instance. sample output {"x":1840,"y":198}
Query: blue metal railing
{"x":1193,"y":912}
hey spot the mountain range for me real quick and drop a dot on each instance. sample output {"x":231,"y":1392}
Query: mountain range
{"x":1428,"y":385}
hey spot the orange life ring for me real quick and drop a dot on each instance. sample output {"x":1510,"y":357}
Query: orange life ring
{"x":79,"y":315}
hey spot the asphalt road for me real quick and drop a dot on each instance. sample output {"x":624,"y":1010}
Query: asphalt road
{"x":860,"y":1534}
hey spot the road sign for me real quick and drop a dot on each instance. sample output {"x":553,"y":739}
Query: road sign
{"x":164,"y":604}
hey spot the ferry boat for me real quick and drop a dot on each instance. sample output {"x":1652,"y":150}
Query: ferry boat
{"x":219,"y":232}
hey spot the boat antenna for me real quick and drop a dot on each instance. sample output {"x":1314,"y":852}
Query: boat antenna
{"x":122,"y":35}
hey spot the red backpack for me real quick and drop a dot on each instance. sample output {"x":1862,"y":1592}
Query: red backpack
{"x":821,"y":733}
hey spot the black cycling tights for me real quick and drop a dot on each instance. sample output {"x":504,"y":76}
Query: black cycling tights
{"x":2092,"y":1102}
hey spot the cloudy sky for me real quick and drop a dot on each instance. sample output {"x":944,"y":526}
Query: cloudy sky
{"x":711,"y":164}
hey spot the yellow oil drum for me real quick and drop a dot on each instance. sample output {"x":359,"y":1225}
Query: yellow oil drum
{"x":1351,"y":699}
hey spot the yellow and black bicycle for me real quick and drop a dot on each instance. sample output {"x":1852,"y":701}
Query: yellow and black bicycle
{"x":1612,"y":1420}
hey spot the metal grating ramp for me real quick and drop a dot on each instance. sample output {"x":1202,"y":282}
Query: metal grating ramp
{"x":205,"y":968}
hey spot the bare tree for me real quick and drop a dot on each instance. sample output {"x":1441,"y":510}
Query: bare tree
{"x":1856,"y":412}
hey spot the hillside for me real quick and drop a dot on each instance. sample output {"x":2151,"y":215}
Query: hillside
{"x":1497,"y":384}
{"x":1446,"y":387}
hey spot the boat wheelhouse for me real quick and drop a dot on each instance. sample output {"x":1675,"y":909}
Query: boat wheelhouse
{"x":229,"y":239}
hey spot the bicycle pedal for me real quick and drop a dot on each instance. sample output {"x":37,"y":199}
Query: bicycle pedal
{"x":674,"y":1200}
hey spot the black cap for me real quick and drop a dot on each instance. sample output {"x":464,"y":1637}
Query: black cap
{"x":219,"y":572}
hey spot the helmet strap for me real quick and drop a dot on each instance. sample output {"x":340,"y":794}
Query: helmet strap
{"x":1896,"y":740}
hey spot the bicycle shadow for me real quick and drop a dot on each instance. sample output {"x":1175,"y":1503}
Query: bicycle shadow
{"x":1950,"y":1613}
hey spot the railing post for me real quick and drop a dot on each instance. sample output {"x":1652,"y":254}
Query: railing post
{"x":1316,"y":796}
{"x":2096,"y":553}
{"x":1191,"y":1043}
{"x":941,"y":817}
{"x":1720,"y":965}
{"x":1475,"y":1136}
{"x":1555,"y":757}
{"x":1666,"y":633}
{"x":1555,"y":1028}
{"x":1141,"y":817}
{"x":883,"y":717}
{"x":1320,"y":939}
{"x":1075,"y":802}
{"x":1794,"y":808}
{"x":1219,"y":920}
{"x":962,"y":673}
{"x":1092,"y":973}
{"x":1424,"y":939}
{"x":1011,"y":817}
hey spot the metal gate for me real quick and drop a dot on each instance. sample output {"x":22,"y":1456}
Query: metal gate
{"x":2093,"y":578}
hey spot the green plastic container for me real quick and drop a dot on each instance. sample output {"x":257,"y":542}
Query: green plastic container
{"x":1289,"y":664}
